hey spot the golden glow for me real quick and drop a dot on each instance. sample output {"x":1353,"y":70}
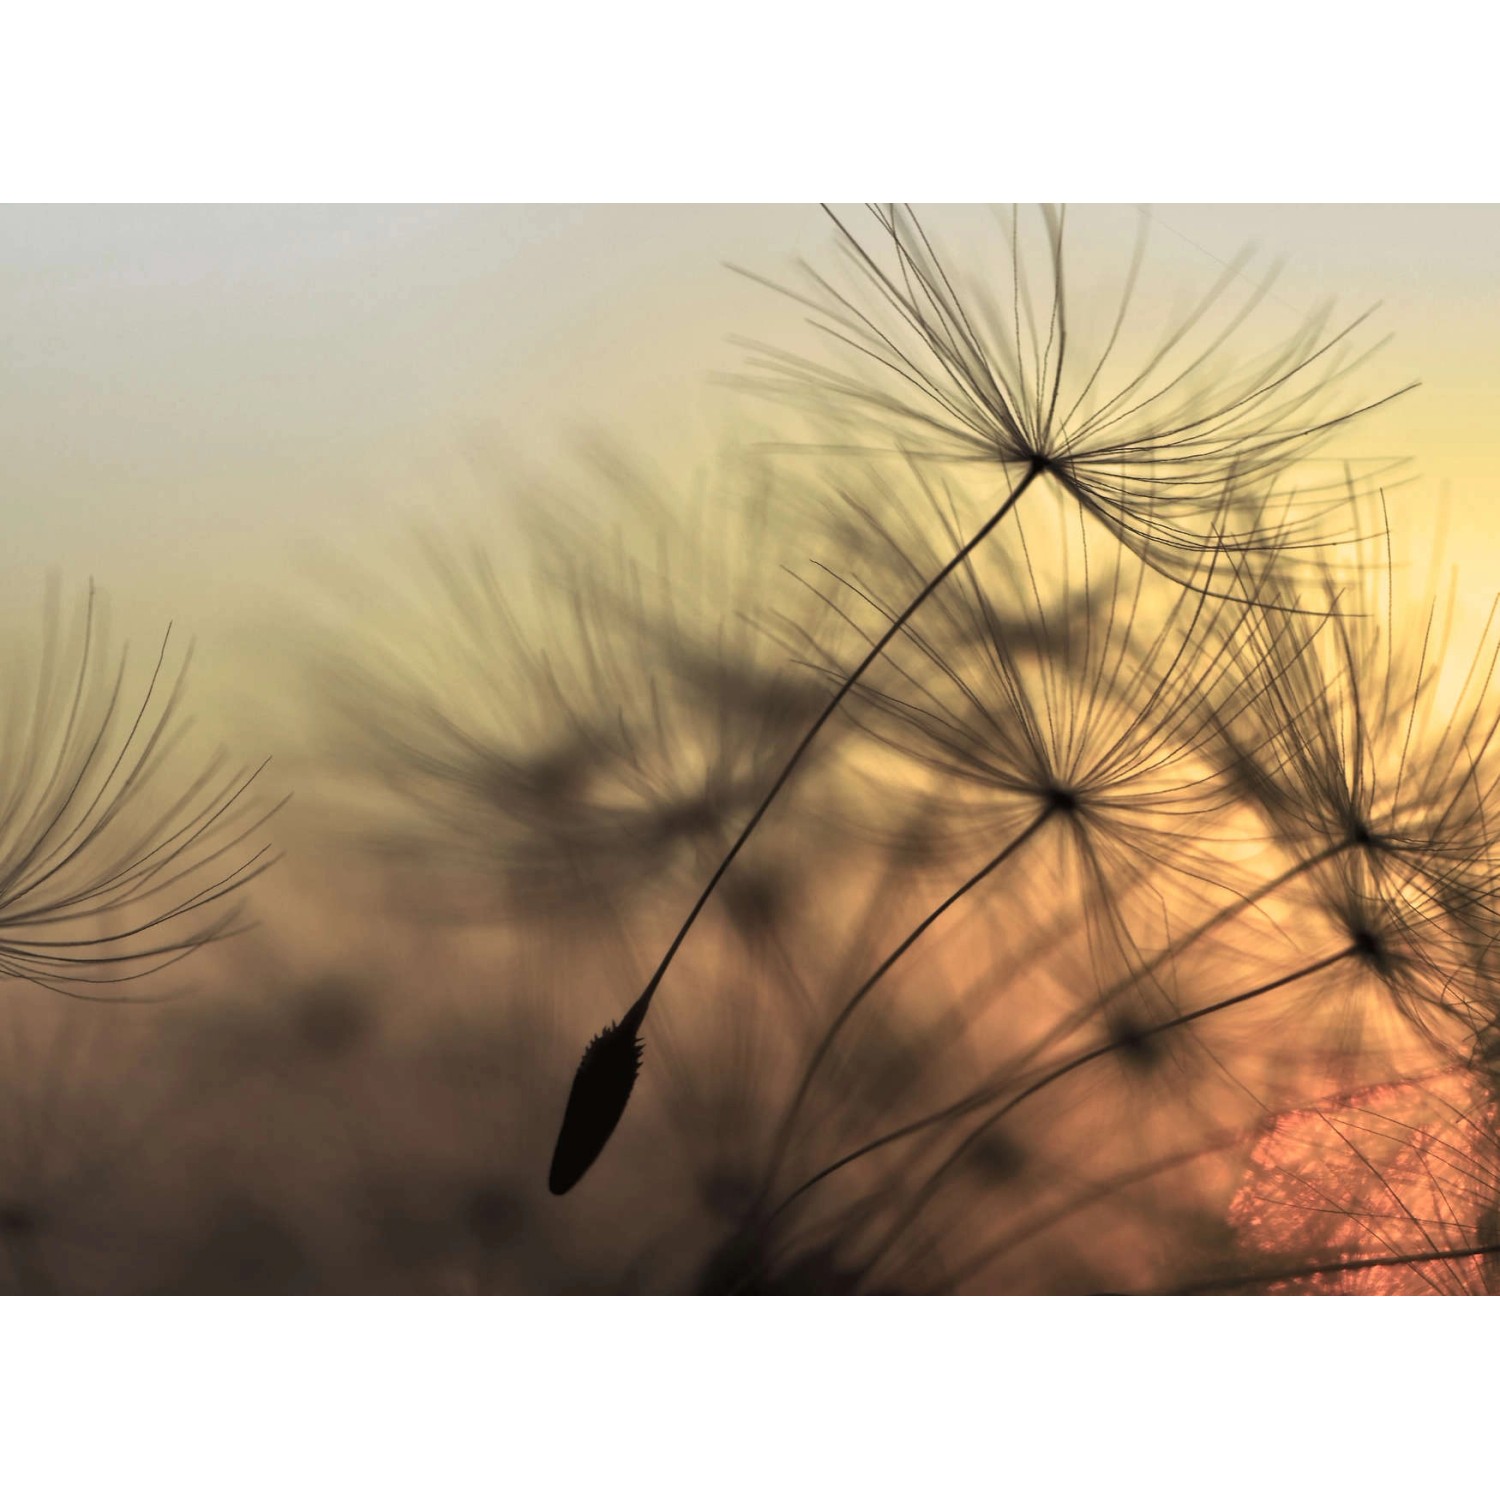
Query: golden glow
{"x":444,"y":482}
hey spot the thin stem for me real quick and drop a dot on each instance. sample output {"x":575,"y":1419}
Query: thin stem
{"x":1331,"y":1268}
{"x":783,"y":1135}
{"x":1094,"y":1193}
{"x":986,"y":1095}
{"x":637,"y":1012}
{"x":923,"y":1197}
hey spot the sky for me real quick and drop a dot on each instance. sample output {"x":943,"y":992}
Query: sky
{"x":196,"y":402}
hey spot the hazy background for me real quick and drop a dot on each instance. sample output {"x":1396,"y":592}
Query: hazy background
{"x":204,"y":407}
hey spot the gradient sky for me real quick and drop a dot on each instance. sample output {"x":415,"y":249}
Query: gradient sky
{"x":195,"y":399}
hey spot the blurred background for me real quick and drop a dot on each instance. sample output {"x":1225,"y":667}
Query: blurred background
{"x":234,"y":417}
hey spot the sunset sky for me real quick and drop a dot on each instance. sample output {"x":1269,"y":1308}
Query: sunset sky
{"x":196,"y":399}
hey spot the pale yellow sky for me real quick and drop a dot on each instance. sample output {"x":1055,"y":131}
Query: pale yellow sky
{"x":194,"y":399}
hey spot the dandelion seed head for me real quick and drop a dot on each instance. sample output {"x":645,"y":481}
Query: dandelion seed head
{"x":1061,"y":799}
{"x":1135,"y":1042}
{"x":1145,"y":428}
{"x":118,"y":856}
{"x":1023,"y":691}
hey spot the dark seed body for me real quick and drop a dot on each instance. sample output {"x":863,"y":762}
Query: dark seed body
{"x":601,"y":1089}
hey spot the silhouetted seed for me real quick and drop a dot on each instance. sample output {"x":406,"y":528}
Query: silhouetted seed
{"x":956,"y":369}
{"x":601,"y":1089}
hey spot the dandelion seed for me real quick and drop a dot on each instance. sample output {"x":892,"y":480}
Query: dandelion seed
{"x":1146,"y":443}
{"x":1142,"y":461}
{"x":1377,"y":778}
{"x":1090,"y":719}
{"x":99,"y":883}
{"x":601,"y":1089}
